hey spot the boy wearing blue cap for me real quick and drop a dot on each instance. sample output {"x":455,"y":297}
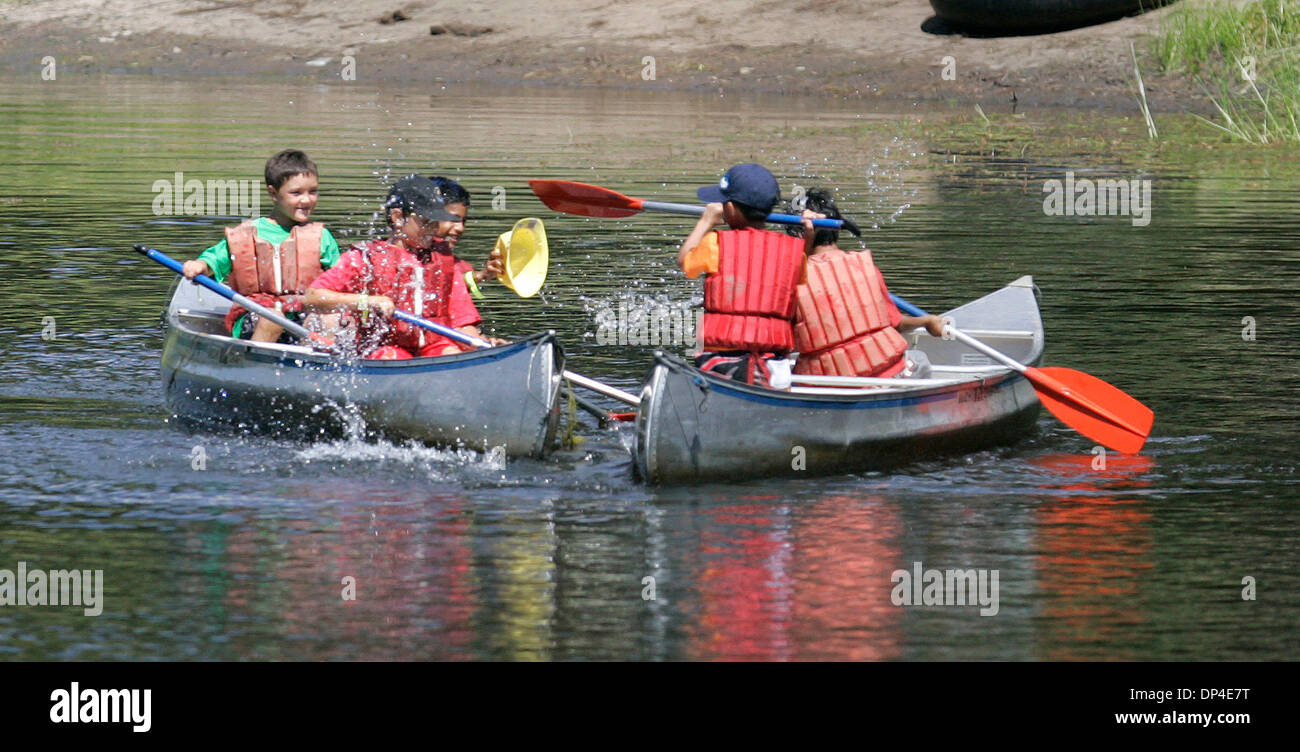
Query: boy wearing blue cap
{"x":750,"y":275}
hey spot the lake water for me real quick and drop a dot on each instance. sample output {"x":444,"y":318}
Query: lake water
{"x":462,"y":556}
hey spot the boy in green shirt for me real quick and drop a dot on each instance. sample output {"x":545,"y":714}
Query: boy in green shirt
{"x":272,"y":260}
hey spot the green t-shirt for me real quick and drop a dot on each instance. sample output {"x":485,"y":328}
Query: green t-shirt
{"x":218,"y":256}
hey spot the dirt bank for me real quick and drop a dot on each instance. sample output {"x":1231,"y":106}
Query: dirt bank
{"x":835,"y":47}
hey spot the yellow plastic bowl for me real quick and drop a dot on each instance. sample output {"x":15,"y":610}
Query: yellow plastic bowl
{"x":525,"y":256}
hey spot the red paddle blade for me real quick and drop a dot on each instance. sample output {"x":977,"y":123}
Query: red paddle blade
{"x":1093,"y":407}
{"x":624,"y":417}
{"x":583,"y":199}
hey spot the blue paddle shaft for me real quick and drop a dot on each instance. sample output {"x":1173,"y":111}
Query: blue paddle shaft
{"x":228,"y":293}
{"x":445,"y":331}
{"x":784,"y":219}
{"x":906,"y":307}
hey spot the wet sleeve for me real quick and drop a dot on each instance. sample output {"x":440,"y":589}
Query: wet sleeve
{"x":703,"y":258}
{"x":342,"y":276}
{"x":461,"y":308}
{"x":218,"y":260}
{"x":329,"y":249}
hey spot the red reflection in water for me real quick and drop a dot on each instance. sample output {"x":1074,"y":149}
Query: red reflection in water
{"x":1094,"y":551}
{"x":797,"y":583}
{"x":412,"y":581}
{"x":744,"y":586}
{"x":846,"y":550}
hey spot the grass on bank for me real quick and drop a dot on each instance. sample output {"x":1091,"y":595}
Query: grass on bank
{"x":1247,"y":56}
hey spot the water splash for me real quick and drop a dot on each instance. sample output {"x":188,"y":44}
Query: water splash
{"x":438,"y":464}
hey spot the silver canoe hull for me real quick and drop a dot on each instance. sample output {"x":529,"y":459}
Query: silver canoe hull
{"x":696,"y":427}
{"x":498,"y":397}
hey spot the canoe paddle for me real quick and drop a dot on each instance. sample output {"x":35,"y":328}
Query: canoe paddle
{"x":593,"y":201}
{"x":296,"y":330}
{"x":1081,"y":401}
{"x":327,"y":343}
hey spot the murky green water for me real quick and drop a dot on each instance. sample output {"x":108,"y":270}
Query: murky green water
{"x":456,"y":556}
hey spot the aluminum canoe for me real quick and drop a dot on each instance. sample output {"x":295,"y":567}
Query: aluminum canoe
{"x":496,"y":397}
{"x":694,"y":427}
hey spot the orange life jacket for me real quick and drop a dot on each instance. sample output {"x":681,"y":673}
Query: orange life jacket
{"x":749,"y":303}
{"x":845,"y":322}
{"x":258,"y":267}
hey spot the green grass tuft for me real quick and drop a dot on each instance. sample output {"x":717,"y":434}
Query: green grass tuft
{"x":1247,"y":56}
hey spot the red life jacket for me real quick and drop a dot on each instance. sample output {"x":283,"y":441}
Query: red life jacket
{"x":845,"y":323}
{"x":423,"y":289}
{"x":257,"y":267}
{"x":749,"y":303}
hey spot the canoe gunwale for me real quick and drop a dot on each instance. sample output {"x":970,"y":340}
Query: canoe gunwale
{"x":846,"y":398}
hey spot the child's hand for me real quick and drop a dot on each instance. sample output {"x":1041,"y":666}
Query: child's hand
{"x":193,"y":268}
{"x":934,"y":325}
{"x":808,"y":216}
{"x":712,"y":214}
{"x":494,"y":267}
{"x":473,"y":331}
{"x":382,"y":305}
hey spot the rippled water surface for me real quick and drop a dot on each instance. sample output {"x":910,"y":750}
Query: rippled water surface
{"x":458,"y":555}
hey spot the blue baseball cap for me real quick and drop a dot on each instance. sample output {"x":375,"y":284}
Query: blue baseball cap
{"x":749,"y":184}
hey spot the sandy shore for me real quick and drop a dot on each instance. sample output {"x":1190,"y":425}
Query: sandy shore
{"x":832,"y":47}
